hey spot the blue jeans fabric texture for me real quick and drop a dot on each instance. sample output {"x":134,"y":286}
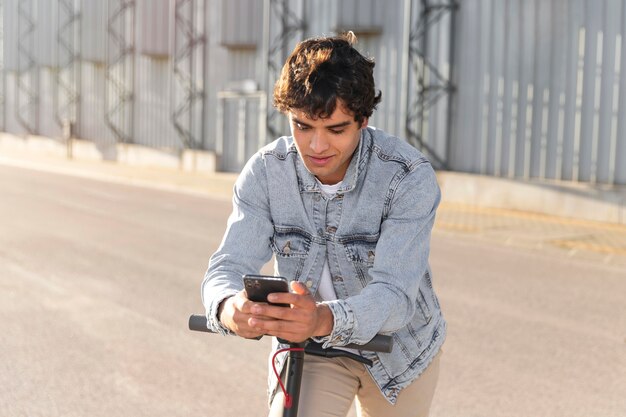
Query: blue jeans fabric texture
{"x":375,"y":233}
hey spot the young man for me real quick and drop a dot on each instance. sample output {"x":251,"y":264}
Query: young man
{"x":347,"y":211}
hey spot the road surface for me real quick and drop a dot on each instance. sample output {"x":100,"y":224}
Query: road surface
{"x":97,"y":280}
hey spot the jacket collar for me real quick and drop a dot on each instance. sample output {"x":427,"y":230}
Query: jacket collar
{"x":308,"y":182}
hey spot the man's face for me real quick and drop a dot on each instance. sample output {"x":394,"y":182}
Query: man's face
{"x":326,"y":145}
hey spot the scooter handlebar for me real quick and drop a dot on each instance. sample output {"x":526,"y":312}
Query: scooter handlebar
{"x":197,"y":322}
{"x":380,"y":343}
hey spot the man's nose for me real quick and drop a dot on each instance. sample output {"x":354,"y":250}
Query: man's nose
{"x":319,"y":143}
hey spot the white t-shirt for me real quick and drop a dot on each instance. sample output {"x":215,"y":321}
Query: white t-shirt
{"x":326,"y":291}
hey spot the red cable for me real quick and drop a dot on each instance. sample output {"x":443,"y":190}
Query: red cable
{"x":288,"y":399}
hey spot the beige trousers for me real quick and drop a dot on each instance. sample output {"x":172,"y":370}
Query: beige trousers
{"x":330,"y":385}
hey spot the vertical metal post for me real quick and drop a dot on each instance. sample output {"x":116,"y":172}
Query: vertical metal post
{"x":219,"y":138}
{"x":27,"y":96}
{"x":424,"y":74}
{"x":120,"y":68}
{"x":266,"y":84}
{"x":262,"y":119}
{"x":451,"y":74}
{"x":406,"y":38}
{"x":67,"y":80}
{"x":186,"y":84}
{"x":241,"y":130}
{"x":431,"y":84}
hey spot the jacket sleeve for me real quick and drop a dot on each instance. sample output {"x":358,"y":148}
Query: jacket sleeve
{"x":245,"y":247}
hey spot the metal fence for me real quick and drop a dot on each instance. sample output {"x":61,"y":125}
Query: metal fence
{"x":511,"y":88}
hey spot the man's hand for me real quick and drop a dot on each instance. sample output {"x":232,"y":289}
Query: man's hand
{"x":234,"y":314}
{"x":304,"y":319}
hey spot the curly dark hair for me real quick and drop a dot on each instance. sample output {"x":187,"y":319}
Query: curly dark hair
{"x":321,"y":70}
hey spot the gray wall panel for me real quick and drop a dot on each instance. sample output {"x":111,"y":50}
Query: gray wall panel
{"x":539,"y":97}
{"x":153,"y":126}
{"x":48,"y":125}
{"x":11,"y":123}
{"x":9,"y":23}
{"x":94,"y":30}
{"x":558,"y":58}
{"x":241,"y":23}
{"x":47,"y":27}
{"x":605,"y":169}
{"x":153,"y":19}
{"x":242,"y":127}
{"x":92,"y":125}
{"x":573,"y":88}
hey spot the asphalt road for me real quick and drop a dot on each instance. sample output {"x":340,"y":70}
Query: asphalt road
{"x":97,"y":281}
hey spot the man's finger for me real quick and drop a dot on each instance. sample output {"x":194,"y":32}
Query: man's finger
{"x":298,"y":300}
{"x":275,"y":312}
{"x":299,"y":293}
{"x":299,"y":288}
{"x":274,"y":327}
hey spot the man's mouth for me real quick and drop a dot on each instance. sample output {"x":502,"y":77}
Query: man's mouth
{"x":318,"y":160}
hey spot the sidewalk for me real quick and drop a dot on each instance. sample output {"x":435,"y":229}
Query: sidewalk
{"x":581,"y":239}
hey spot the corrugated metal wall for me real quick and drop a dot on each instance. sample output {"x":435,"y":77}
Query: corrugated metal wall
{"x":539,"y":91}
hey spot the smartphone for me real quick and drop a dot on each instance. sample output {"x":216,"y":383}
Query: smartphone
{"x":258,"y":287}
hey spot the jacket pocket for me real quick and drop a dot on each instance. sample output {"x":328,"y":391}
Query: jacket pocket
{"x":361,"y":254}
{"x":291,"y":248}
{"x":290,"y":244}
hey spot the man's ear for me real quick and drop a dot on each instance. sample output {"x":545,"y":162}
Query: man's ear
{"x":364,"y":123}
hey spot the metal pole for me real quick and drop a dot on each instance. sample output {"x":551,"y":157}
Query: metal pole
{"x":120,"y":70}
{"x":406,"y":63}
{"x":422,"y":80}
{"x":294,"y":366}
{"x":186,"y":86}
{"x":27,"y":95}
{"x":66,"y":85}
{"x":451,"y":75}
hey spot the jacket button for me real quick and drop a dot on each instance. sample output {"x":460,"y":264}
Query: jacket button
{"x":287,"y":247}
{"x":309,"y":284}
{"x":331,"y":229}
{"x":338,"y":279}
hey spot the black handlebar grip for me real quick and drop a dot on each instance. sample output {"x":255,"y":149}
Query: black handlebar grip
{"x":197,"y":322}
{"x":380,"y":343}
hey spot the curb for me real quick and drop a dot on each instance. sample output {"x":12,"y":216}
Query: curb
{"x":556,"y":198}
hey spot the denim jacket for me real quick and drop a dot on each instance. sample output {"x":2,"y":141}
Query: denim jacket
{"x":375,"y":233}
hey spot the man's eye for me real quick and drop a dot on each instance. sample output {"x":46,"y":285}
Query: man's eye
{"x":301,"y":127}
{"x":336,"y":132}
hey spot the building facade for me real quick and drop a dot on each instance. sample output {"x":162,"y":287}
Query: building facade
{"x":507,"y":88}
